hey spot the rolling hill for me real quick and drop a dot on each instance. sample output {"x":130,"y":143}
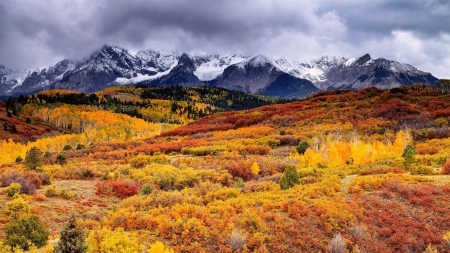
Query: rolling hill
{"x":368,"y":172}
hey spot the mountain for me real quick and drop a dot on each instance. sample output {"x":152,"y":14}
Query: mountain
{"x":30,"y":81}
{"x":113,"y":65}
{"x":366,"y":72}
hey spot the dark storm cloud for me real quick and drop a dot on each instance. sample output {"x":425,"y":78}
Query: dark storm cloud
{"x":39,"y":33}
{"x":377,"y":17}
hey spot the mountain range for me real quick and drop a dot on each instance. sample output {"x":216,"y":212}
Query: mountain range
{"x":113,"y":65}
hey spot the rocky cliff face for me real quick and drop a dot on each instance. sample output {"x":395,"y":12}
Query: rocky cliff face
{"x":259,"y":74}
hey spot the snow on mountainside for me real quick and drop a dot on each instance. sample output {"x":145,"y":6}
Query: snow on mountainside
{"x":209,"y":67}
{"x":366,"y":72}
{"x":113,"y":65}
{"x":158,"y":61}
{"x":313,"y":70}
{"x":14,"y":79}
{"x":5,"y":71}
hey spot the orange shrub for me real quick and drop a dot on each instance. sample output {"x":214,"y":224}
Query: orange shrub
{"x":39,"y":197}
{"x":425,"y":149}
{"x":381,"y":170}
{"x":252,"y":149}
{"x":446,"y":168}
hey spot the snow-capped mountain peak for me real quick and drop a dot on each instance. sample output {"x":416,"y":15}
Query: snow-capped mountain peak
{"x":257,"y":61}
{"x":113,"y":65}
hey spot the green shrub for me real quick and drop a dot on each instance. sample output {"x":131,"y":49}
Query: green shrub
{"x":26,"y":229}
{"x":290,"y":178}
{"x":302,"y":147}
{"x":47,"y":155}
{"x":61,"y":159}
{"x":67,"y":147}
{"x":13,"y":189}
{"x":147,"y":189}
{"x":19,"y":159}
{"x":80,"y":146}
{"x":51,"y":191}
{"x":239,"y":184}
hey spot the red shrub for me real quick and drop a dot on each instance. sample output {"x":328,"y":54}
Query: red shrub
{"x":240,"y":171}
{"x":396,"y":110}
{"x":121,"y":189}
{"x":88,"y":203}
{"x":441,"y":113}
{"x":168,"y":147}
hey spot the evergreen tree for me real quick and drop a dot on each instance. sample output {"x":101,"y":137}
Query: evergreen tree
{"x":409,"y":158}
{"x":61,"y":159}
{"x":290,"y":178}
{"x":407,"y":148}
{"x":29,"y":228}
{"x":72,"y":237}
{"x":33,"y":158}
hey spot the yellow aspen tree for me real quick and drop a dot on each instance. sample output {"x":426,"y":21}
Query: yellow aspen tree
{"x":255,"y":168}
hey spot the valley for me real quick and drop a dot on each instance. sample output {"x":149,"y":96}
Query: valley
{"x":202,"y":169}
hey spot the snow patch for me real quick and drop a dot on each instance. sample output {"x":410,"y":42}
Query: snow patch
{"x":369,"y":62}
{"x":349,"y":62}
{"x":209,"y":67}
{"x":17,"y":78}
{"x":401,"y":67}
{"x":140,"y":77}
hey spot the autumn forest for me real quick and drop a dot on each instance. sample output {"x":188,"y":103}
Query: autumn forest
{"x":205,"y":169}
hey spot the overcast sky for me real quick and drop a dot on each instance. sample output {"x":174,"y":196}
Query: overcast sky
{"x":41,"y":33}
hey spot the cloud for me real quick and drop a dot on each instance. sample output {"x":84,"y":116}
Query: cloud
{"x":40,"y":33}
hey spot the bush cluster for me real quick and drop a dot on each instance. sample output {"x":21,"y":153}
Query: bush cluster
{"x":29,"y":181}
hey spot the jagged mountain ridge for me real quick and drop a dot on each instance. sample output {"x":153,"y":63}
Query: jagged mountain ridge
{"x":113,"y":65}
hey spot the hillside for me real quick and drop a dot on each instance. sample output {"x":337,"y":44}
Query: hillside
{"x":364,"y":171}
{"x":56,"y":112}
